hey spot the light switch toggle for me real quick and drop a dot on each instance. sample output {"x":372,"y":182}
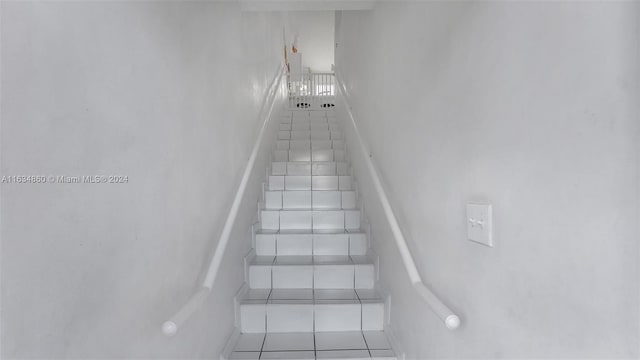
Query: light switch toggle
{"x":475,"y":222}
{"x":479,"y":223}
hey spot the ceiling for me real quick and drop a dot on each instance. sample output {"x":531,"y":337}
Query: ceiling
{"x":305,"y":5}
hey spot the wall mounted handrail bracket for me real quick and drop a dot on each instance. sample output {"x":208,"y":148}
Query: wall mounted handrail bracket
{"x":171,"y":326}
{"x":450,"y":319}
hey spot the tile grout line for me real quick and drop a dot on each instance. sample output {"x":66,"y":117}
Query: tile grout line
{"x":366,"y":343}
{"x":349,"y":257}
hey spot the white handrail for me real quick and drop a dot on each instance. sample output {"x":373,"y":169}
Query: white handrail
{"x":451,"y":320}
{"x":170,"y":327}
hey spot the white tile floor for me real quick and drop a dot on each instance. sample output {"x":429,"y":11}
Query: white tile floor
{"x":309,"y":345}
{"x":265,"y":296}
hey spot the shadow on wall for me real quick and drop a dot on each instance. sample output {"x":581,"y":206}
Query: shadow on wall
{"x":92,"y":270}
{"x":521,"y":106}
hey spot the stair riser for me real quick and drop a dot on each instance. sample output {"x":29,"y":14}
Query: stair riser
{"x":301,"y":199}
{"x":308,"y":168}
{"x":329,"y":124}
{"x":358,"y":276}
{"x":309,"y":144}
{"x":310,"y":126}
{"x":284,"y":318}
{"x":306,"y":118}
{"x":311,"y":244}
{"x":310,"y":220}
{"x":308,"y":182}
{"x":327,"y":155}
{"x":309,"y":135}
{"x":314,"y":113}
{"x":309,"y":112}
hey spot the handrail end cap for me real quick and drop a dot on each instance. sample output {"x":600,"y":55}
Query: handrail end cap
{"x":452,"y":322}
{"x":169,"y":328}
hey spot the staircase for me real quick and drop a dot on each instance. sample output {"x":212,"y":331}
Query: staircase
{"x":310,"y":291}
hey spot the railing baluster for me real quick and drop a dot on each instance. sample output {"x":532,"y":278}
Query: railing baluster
{"x":311,"y":88}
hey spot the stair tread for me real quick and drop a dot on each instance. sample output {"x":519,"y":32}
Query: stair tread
{"x":313,"y":345}
{"x":321,"y":191}
{"x":320,"y":296}
{"x":314,"y":175}
{"x":307,"y":209}
{"x":312,"y":162}
{"x":301,"y":301}
{"x":306,"y":260}
{"x":309,"y":231}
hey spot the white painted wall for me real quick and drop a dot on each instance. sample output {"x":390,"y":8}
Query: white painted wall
{"x":315,"y":31}
{"x":531,"y":106}
{"x":167,"y":93}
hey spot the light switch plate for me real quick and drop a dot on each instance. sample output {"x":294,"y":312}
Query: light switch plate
{"x":480,"y":223}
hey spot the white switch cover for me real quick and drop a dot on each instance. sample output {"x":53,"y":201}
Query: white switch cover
{"x":479,"y":224}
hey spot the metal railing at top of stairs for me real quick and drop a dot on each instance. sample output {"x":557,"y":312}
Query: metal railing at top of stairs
{"x":171,"y":326}
{"x":450,"y":319}
{"x":310,"y":89}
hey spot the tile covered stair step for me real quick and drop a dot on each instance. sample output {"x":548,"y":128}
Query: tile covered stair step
{"x":311,"y":272}
{"x":311,"y":277}
{"x":308,"y":345}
